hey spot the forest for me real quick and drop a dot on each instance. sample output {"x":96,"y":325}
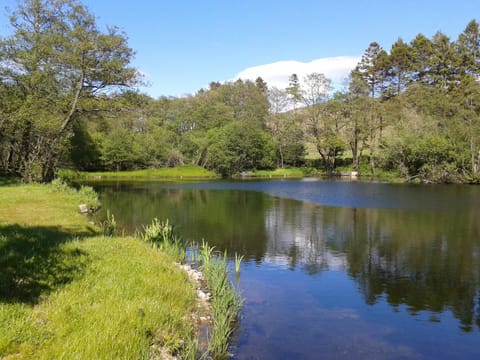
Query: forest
{"x":68,"y":99}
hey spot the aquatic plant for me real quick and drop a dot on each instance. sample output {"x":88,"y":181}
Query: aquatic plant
{"x":225,"y":304}
{"x":238,"y":262}
{"x":206,"y":252}
{"x":109,"y":225}
{"x":161,"y":235}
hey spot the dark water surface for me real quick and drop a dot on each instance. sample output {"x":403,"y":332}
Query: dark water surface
{"x":334,"y":270}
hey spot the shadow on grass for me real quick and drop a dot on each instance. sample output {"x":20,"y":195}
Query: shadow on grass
{"x":33,"y":262}
{"x":8,"y":180}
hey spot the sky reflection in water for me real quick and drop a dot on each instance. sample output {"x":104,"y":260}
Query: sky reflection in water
{"x":335,"y":269}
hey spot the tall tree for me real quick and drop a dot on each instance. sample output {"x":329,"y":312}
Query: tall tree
{"x":400,"y":65}
{"x":421,"y":54}
{"x":286,"y":130}
{"x":372,"y":69}
{"x":356,"y":113}
{"x":444,"y":63}
{"x":321,"y":125}
{"x":62,"y":63}
{"x":468,"y":47}
{"x":294,"y":90}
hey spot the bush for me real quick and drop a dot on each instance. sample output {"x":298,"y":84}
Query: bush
{"x":68,"y":176}
{"x":85,"y":195}
{"x":88,"y":196}
{"x":239,"y":147}
{"x":444,"y":173}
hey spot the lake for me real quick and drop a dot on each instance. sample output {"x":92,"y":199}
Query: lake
{"x":333,"y":269}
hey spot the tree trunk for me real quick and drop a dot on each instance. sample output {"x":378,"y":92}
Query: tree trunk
{"x":281,"y":156}
{"x":354,"y":147}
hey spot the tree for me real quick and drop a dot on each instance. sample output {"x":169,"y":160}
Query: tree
{"x":246,"y":101}
{"x":468,"y":47}
{"x":61,"y":64}
{"x":119,"y":150}
{"x":356,"y":109}
{"x":278,"y":100}
{"x":261,"y":85}
{"x":373,"y":68}
{"x":294,"y":91}
{"x":237,"y":147}
{"x":444,"y":63}
{"x":285,"y":129}
{"x":400,"y":65}
{"x":322,"y":122}
{"x":421,"y":50}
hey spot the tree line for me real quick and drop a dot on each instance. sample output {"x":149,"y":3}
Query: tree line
{"x":68,"y":99}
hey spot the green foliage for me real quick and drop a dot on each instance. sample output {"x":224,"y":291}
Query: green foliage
{"x":67,"y":176}
{"x":430,"y":158}
{"x":48,"y":84}
{"x":286,"y":172}
{"x":64,"y":294}
{"x":442,"y":173}
{"x":226,"y":302}
{"x":84,"y":195}
{"x":65,"y":106}
{"x":119,"y":150}
{"x":179,"y":172}
{"x":238,"y":147}
{"x":161,"y":235}
{"x":109,"y":225}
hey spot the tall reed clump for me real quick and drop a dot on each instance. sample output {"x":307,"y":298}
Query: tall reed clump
{"x":238,"y":263}
{"x":226,"y":302}
{"x":161,"y":235}
{"x":109,"y":225}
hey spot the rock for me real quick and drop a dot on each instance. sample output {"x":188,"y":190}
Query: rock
{"x":203,"y":296}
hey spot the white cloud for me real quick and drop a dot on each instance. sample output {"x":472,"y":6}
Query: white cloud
{"x":277,"y":73}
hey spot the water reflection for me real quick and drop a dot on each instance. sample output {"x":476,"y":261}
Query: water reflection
{"x":420,"y":258}
{"x":426,"y":260}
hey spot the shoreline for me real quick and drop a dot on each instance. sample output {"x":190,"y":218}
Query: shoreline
{"x":58,"y":242}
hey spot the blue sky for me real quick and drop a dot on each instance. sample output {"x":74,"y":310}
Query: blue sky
{"x":183,"y":45}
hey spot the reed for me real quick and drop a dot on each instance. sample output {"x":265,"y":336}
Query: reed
{"x":109,"y":225}
{"x":206,"y":252}
{"x":226,"y":304}
{"x":238,"y":263}
{"x":161,"y":235}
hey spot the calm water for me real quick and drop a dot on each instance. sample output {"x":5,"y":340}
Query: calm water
{"x":334,"y":270}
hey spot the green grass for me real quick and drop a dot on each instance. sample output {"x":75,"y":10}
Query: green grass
{"x":67,"y":294}
{"x":285,"y":172}
{"x":43,"y":205}
{"x":392,"y":176}
{"x":180,"y":172}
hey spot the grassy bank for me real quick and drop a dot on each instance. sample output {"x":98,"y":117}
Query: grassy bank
{"x":180,"y":172}
{"x":66,"y":293}
{"x":225,"y":303}
{"x":281,"y":173}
